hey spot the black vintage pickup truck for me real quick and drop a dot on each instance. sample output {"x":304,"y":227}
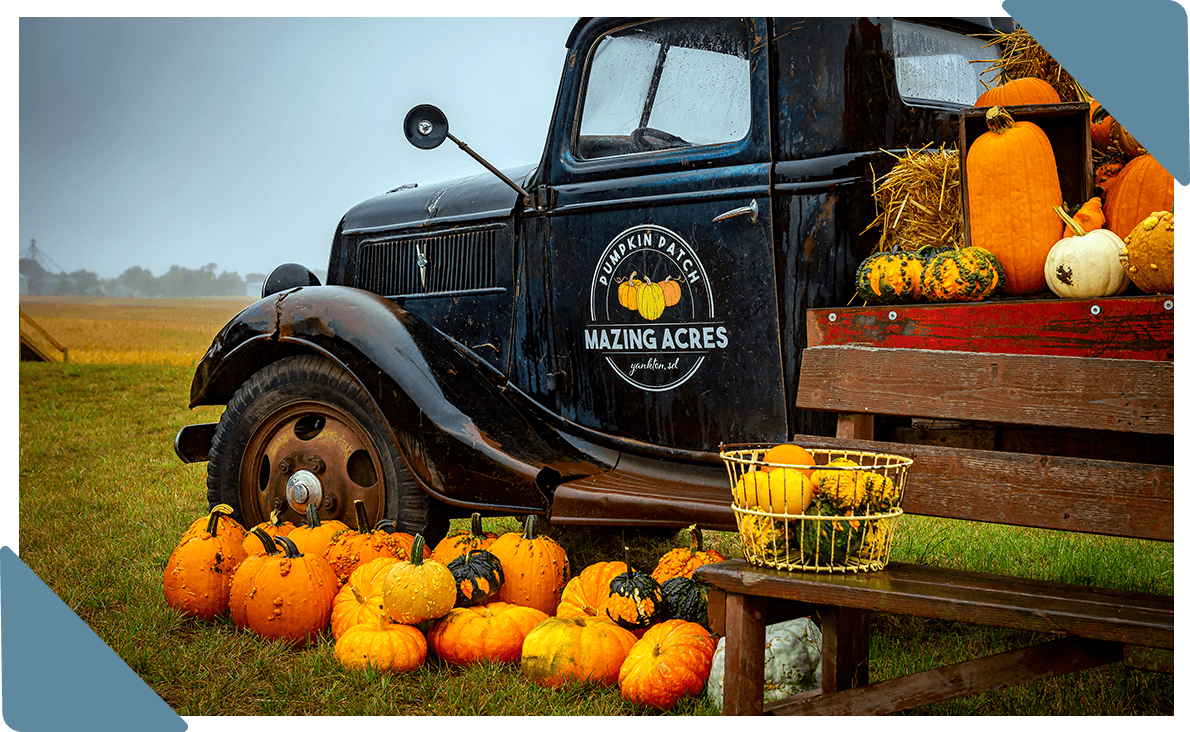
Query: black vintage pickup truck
{"x":576,"y":339}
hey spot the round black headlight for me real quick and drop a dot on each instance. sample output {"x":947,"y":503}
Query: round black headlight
{"x":286,"y":277}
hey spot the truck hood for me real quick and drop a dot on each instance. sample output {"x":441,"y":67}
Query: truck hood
{"x":412,"y":205}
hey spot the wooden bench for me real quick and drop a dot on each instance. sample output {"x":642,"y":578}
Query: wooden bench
{"x":1092,"y":626}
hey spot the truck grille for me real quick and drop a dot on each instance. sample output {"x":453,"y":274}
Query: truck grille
{"x":454,"y":263}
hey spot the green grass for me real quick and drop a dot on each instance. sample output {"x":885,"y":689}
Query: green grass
{"x":103,"y":500}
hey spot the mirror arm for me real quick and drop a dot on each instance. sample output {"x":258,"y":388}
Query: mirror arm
{"x":463,"y":146}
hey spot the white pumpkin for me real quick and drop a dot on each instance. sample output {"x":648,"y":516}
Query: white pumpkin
{"x":792,"y":661}
{"x":1086,"y":264}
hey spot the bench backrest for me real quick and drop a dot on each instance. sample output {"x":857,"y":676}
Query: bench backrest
{"x":1074,"y":494}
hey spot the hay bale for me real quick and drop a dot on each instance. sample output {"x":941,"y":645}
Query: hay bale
{"x":919,"y":202}
{"x":1023,"y":57}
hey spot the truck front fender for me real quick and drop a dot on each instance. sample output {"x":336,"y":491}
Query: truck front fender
{"x":462,"y":439}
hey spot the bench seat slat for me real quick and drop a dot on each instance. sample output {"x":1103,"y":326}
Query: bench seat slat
{"x":1122,"y":395}
{"x":1135,"y":618}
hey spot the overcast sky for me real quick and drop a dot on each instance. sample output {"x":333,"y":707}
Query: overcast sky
{"x":242,"y":142}
{"x":154,"y":142}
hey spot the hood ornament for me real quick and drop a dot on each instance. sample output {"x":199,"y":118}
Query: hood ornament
{"x":420,"y":248}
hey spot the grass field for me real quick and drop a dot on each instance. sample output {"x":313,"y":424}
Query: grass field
{"x":103,"y":499}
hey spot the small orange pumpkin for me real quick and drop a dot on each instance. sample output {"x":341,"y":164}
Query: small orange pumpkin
{"x":291,"y":595}
{"x":1142,"y":187}
{"x":456,"y":545}
{"x":228,"y":526}
{"x":197,"y":580}
{"x":536,"y":568}
{"x":253,"y":546}
{"x":671,"y":660}
{"x":493,"y":632}
{"x":361,"y":599}
{"x":241,"y":580}
{"x":315,"y":535}
{"x":389,"y":647}
{"x":586,"y":594}
{"x":351,"y":548}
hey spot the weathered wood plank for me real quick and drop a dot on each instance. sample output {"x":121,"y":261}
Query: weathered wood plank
{"x":1049,"y":492}
{"x":845,"y":638}
{"x":969,"y":597}
{"x":1130,"y":327}
{"x":1042,"y":661}
{"x":1057,"y":391}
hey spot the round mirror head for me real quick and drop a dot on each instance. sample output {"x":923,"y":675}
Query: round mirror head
{"x":425,"y":126}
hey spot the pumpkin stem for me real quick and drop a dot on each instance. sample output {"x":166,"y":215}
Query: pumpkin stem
{"x":695,"y":538}
{"x":388,"y":525}
{"x":291,"y":550}
{"x":1078,"y":230}
{"x":999,"y":120}
{"x":212,"y":522}
{"x":270,"y":546}
{"x":476,"y":526}
{"x":627,"y":562}
{"x":418,"y":551}
{"x":312,"y":516}
{"x":275,"y":517}
{"x":531,"y":522}
{"x":361,"y":517}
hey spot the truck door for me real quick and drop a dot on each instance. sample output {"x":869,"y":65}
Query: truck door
{"x":660,"y":242}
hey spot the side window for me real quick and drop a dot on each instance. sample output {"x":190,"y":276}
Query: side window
{"x":938,"y":65}
{"x":664,"y":85}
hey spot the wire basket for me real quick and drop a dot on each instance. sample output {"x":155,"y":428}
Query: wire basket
{"x":835,"y":516}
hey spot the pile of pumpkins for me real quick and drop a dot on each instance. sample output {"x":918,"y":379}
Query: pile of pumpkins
{"x":389,"y":600}
{"x":1016,"y":215}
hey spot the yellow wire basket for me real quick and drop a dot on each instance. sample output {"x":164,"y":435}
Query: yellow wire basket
{"x":836,"y":515}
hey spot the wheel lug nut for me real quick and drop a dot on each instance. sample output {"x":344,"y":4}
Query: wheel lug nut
{"x":316,"y":464}
{"x":286,"y":466}
{"x":328,"y":503}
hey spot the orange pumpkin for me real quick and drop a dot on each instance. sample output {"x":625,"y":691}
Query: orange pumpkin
{"x":361,"y":599}
{"x":456,"y":545}
{"x":253,"y":546}
{"x":586,"y":594}
{"x":290,"y":596}
{"x":241,"y":580}
{"x":493,"y":632}
{"x":315,"y":535}
{"x":1142,"y":187}
{"x":228,"y":526}
{"x":197,"y":580}
{"x":389,"y":647}
{"x":1025,"y":90}
{"x":672,"y":291}
{"x":351,"y":548}
{"x":1012,"y":187}
{"x":1101,"y":130}
{"x":536,"y":568}
{"x":626,"y":293}
{"x":671,"y":660}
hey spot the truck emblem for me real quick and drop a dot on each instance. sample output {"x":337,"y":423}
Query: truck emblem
{"x":420,"y":248}
{"x":652,"y":311}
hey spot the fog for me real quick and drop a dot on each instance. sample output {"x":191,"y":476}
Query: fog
{"x":242,"y":142}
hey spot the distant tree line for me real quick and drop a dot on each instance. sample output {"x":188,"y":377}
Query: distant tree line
{"x":140,"y":282}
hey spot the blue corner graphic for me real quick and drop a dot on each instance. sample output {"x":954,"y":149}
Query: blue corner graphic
{"x":1140,"y":76}
{"x":59,"y":675}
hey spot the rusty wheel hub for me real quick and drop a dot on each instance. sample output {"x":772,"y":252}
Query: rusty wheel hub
{"x":311,"y":453}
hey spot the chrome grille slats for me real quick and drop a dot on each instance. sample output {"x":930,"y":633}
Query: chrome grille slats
{"x":456,"y":263}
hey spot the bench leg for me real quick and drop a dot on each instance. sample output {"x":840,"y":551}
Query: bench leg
{"x":743,"y":655}
{"x":844,"y":648}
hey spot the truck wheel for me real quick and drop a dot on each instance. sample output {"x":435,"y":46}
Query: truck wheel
{"x":302,"y":431}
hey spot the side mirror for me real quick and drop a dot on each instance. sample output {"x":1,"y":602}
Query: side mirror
{"x":425,"y":127}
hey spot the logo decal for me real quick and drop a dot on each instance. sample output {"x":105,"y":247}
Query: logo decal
{"x":652,"y":314}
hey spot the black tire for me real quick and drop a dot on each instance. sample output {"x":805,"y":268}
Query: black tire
{"x":295,"y":414}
